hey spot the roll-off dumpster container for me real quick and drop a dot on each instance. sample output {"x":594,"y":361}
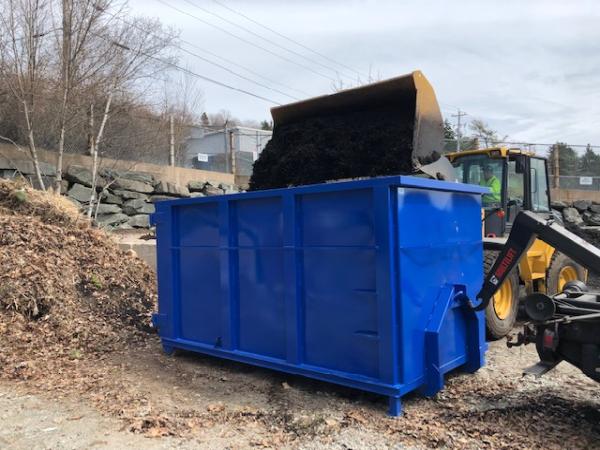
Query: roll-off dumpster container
{"x":361,"y":283}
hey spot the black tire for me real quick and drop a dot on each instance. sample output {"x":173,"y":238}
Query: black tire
{"x":558,"y":262}
{"x":496,"y":327}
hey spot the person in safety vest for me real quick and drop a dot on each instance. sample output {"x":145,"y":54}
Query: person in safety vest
{"x":490,"y":181}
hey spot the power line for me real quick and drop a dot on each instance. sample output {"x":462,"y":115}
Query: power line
{"x":237,"y":74}
{"x":215,"y":55}
{"x":287,"y":38}
{"x":552,"y":145}
{"x":535,"y":143}
{"x":284,"y":58}
{"x":188,"y":71}
{"x":247,"y":30}
{"x":210,"y":80}
{"x":206,"y":59}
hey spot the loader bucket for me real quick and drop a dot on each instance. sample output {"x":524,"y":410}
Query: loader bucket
{"x":386,"y":128}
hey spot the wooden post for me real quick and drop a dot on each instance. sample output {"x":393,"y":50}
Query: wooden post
{"x":171,"y":141}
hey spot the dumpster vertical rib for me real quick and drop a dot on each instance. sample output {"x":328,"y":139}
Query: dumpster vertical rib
{"x":383,"y":205}
{"x":166,"y":278}
{"x":292,"y":267}
{"x":229,"y":260}
{"x":175,"y":234}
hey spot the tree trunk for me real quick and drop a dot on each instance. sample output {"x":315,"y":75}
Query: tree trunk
{"x":59,"y":160}
{"x":171,"y":141}
{"x":32,"y":149}
{"x":95,"y":144}
{"x":65,"y":76}
{"x":94,"y":154}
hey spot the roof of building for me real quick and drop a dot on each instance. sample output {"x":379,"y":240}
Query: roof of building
{"x":245,"y":130}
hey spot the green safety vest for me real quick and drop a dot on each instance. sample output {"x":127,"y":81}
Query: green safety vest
{"x":494,"y":184}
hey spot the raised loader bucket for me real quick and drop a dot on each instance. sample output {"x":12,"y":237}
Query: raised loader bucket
{"x":386,"y":128}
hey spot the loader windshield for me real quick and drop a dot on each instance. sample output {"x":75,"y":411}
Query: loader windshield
{"x":482,"y":170}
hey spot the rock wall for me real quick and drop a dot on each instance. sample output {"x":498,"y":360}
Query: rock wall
{"x":126,"y":197}
{"x":581,"y":217}
{"x":12,"y":159}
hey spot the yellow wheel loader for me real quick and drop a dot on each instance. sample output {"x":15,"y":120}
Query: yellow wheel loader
{"x":522,"y":186}
{"x":395,"y":127}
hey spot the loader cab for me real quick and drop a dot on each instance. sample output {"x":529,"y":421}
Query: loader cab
{"x":517,"y":180}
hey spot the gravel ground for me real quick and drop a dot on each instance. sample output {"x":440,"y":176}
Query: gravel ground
{"x":144,"y":398}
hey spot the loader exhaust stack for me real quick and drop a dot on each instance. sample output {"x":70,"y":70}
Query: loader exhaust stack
{"x":386,"y":128}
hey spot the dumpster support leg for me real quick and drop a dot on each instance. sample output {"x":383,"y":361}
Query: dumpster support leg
{"x":395,"y":406}
{"x":476,"y":345}
{"x":434,"y":376}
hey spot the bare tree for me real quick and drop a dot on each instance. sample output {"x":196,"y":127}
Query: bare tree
{"x":79,"y":60}
{"x":24,"y":60}
{"x":339,"y":84}
{"x":223,"y":118}
{"x":183,"y":104}
{"x":135,"y":53}
{"x":485,"y":134}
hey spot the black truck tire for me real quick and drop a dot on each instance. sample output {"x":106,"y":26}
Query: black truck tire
{"x":501,"y":313}
{"x":561,"y":270}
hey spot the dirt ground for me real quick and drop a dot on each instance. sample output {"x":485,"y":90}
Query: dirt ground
{"x":144,"y":398}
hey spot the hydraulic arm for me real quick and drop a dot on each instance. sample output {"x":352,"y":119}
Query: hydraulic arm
{"x":526,"y":228}
{"x":565,"y":326}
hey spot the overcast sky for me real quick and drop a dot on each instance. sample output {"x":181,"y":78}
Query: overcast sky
{"x":531,"y":69}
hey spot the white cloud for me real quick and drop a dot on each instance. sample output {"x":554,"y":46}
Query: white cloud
{"x":529,"y":68}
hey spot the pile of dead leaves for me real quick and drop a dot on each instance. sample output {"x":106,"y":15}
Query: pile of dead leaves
{"x":17,"y":199}
{"x":66,"y":290}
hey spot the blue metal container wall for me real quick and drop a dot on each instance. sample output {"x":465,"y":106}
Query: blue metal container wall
{"x":361,"y":283}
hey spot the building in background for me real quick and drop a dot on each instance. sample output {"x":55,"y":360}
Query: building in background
{"x":230,"y":150}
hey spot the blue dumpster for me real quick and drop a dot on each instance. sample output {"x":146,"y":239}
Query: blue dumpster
{"x":361,"y":283}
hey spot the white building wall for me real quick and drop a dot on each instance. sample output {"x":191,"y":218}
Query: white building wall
{"x":216,"y":143}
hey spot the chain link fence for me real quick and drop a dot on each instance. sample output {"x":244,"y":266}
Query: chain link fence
{"x":581,"y":183}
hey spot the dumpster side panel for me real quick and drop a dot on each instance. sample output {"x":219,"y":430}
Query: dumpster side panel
{"x":199,"y":277}
{"x":439,"y":245}
{"x":200,"y":288}
{"x":339,"y":280}
{"x":262,"y":326}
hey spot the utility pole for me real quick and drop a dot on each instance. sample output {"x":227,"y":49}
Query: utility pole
{"x":226,"y":155}
{"x":459,"y":114}
{"x":232,"y":151}
{"x":171,"y":141}
{"x":555,"y":160}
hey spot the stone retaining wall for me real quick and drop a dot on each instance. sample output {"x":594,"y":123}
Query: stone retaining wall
{"x":127,"y":195}
{"x":10,"y":156}
{"x":581,"y":217}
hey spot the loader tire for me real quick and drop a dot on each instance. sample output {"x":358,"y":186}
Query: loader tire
{"x":501,"y":313}
{"x":561,"y":270}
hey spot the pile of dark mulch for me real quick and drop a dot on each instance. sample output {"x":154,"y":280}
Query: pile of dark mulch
{"x":66,"y":290}
{"x":349,"y":145}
